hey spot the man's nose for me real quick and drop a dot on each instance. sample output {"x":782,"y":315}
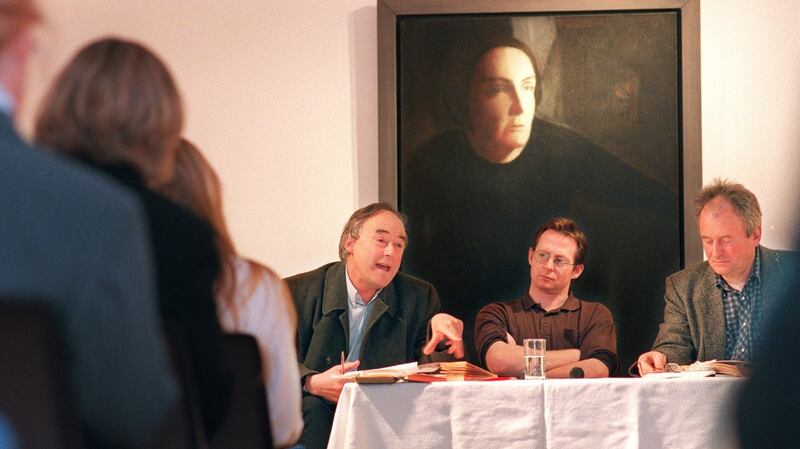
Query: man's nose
{"x":713,"y":249}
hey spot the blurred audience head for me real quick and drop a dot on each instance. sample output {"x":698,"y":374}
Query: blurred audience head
{"x":17,"y":17}
{"x":115,"y":102}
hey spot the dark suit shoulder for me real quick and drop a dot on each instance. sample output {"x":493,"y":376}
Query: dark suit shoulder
{"x":780,"y":257}
{"x":71,"y":189}
{"x":300,"y":284}
{"x":308,"y":288}
{"x":404,"y":280}
{"x":314,"y":276}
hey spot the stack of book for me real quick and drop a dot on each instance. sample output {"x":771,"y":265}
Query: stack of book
{"x":449,"y":371}
{"x":428,"y":372}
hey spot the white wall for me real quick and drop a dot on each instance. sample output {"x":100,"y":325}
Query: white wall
{"x":751,"y":104}
{"x":282,"y":97}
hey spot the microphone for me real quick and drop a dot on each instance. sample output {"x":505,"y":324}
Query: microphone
{"x":576,"y":373}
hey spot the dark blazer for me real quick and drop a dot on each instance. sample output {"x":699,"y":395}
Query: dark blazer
{"x":694,"y":319}
{"x":395,"y":332}
{"x":187,"y":265}
{"x":78,"y":243}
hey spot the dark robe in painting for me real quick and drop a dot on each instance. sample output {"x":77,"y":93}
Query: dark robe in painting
{"x":471,"y":223}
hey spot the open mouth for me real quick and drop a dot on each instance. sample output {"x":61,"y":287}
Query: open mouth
{"x":383,"y":267}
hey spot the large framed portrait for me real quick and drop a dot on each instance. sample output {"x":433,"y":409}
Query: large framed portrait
{"x":498,"y":115}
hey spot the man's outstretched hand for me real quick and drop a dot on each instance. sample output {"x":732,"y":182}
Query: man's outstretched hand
{"x":449,"y":329}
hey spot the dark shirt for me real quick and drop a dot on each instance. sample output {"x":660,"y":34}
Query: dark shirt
{"x":742,"y":314}
{"x":576,"y":324}
{"x":187,"y":265}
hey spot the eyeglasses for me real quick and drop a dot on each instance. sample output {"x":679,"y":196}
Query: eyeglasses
{"x":543,"y":256}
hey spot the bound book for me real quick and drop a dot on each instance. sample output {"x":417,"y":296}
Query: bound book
{"x":427,"y":372}
{"x":450,"y":371}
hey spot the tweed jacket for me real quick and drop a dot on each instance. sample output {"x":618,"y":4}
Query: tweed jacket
{"x":395,"y":331}
{"x":694,"y":320}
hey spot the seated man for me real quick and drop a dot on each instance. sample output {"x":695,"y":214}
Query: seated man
{"x":363,"y":307}
{"x":579,"y":334}
{"x":714,"y":309}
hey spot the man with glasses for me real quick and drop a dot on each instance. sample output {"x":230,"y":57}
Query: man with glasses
{"x":581,"y":338}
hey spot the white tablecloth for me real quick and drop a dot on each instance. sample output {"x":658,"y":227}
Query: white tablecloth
{"x":554,"y":413}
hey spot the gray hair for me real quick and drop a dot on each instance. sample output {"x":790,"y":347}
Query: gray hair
{"x":352,"y":228}
{"x":744,"y":202}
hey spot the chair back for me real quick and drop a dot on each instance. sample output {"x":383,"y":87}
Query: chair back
{"x":35,"y":395}
{"x":246,"y":425}
{"x":183,"y":428}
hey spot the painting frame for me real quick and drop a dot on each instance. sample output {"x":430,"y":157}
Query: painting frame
{"x":689,"y":114}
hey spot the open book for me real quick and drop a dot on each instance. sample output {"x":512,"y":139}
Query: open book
{"x":735,"y":368}
{"x":428,"y":372}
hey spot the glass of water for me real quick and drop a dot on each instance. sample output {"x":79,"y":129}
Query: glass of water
{"x":534,"y":357}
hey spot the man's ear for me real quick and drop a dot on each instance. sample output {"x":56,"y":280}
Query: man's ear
{"x":349,"y":242}
{"x":757,"y":235}
{"x":577,"y":270}
{"x":530,"y":256}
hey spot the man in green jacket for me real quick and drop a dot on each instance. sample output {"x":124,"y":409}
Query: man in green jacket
{"x":364,"y":308}
{"x":715,"y":309}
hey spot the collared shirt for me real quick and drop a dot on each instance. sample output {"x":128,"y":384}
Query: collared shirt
{"x":6,"y":101}
{"x":577,"y":324}
{"x":742,"y":314}
{"x":357,"y":314}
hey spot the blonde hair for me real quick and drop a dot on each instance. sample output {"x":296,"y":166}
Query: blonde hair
{"x":196,"y":186}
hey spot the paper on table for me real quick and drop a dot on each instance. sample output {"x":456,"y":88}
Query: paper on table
{"x":401,"y":370}
{"x":682,"y":374}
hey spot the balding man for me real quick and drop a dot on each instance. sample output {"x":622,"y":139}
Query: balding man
{"x":714,"y":309}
